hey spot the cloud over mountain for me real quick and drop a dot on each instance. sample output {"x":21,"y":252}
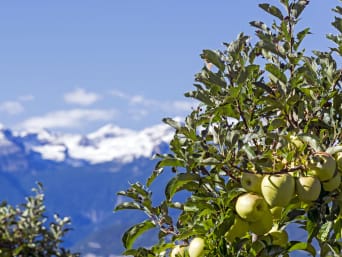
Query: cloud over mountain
{"x":72,"y":118}
{"x":81,"y":97}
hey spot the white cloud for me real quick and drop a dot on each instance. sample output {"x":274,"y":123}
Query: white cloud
{"x":11,"y":107}
{"x":68,"y":118}
{"x":174,"y":106}
{"x":81,"y":97}
{"x":133,"y":99}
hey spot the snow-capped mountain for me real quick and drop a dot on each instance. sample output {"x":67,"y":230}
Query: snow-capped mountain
{"x":108,"y":144}
{"x":81,"y":175}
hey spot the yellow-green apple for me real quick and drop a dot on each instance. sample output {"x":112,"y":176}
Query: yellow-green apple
{"x":308,"y":188}
{"x":178,"y":251}
{"x":251,"y":182}
{"x":251,"y":206}
{"x":279,"y":237}
{"x":323,"y":166}
{"x":332,"y":183}
{"x":263,"y":225}
{"x":276,"y":212}
{"x":278,"y":189}
{"x":239,"y":228}
{"x":196,"y":247}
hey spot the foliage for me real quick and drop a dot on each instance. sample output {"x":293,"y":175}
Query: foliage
{"x":254,"y":99}
{"x":24,"y":230}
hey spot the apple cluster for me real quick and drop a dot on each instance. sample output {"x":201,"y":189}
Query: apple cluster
{"x":195,"y":249}
{"x":268,"y":194}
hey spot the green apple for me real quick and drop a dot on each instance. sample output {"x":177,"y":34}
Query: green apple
{"x":251,"y":206}
{"x":332,"y":183}
{"x":276,"y":212}
{"x":239,"y":228}
{"x":178,"y":251}
{"x":263,"y":225}
{"x":279,"y":237}
{"x":308,"y":188}
{"x":196,"y":247}
{"x":278,"y":189}
{"x":323,"y":166}
{"x":251,"y":182}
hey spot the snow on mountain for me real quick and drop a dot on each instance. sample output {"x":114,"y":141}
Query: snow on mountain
{"x":109,"y":143}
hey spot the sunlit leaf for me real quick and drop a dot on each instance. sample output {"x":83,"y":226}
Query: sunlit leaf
{"x":135,"y":231}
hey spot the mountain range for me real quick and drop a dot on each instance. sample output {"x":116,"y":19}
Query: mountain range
{"x":81,"y":175}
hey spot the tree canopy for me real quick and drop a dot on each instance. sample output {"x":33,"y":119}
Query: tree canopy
{"x":266,"y":108}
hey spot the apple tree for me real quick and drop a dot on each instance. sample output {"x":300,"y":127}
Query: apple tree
{"x":25,"y":231}
{"x":261,"y":155}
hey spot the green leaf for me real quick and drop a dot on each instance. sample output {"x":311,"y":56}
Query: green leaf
{"x":298,"y":7}
{"x":324,"y":231}
{"x":135,"y":231}
{"x":296,"y":246}
{"x":277,"y":123}
{"x":260,"y":25}
{"x":155,"y":173}
{"x":171,"y":122}
{"x":214,"y":58}
{"x":312,"y":141}
{"x":180,"y":182}
{"x":300,"y":36}
{"x":338,"y":24}
{"x":128,"y":205}
{"x":264,"y":87}
{"x":334,"y":149}
{"x":273,"y":10}
{"x":169,"y":161}
{"x":249,"y":151}
{"x":277,"y":73}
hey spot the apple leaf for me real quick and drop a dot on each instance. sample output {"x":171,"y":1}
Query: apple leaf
{"x":334,"y":149}
{"x":135,"y":231}
{"x":312,"y":141}
{"x":214,"y":58}
{"x":273,"y":10}
{"x":324,"y":231}
{"x":181,"y":181}
{"x":128,"y":205}
{"x":297,"y":246}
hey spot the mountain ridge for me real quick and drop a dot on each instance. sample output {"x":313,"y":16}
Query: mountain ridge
{"x":109,"y":143}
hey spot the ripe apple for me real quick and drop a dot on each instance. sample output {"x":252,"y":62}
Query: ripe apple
{"x":278,"y":189}
{"x":279,"y":237}
{"x":196,"y":247}
{"x":323,"y":166}
{"x":178,"y":251}
{"x":308,"y":188}
{"x":251,"y":182}
{"x":239,"y":228}
{"x":332,"y":183}
{"x":263,"y":225}
{"x":251,"y":207}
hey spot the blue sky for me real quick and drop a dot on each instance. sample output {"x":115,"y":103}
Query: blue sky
{"x":77,"y":65}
